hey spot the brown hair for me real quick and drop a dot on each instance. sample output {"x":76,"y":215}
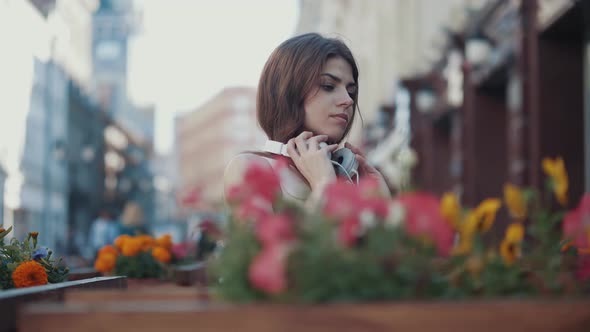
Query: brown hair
{"x":289,"y":75}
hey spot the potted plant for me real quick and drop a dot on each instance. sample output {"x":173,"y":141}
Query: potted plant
{"x":25,"y":264}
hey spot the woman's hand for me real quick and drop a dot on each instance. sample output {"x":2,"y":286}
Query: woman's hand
{"x":366,"y":169}
{"x":311,"y":160}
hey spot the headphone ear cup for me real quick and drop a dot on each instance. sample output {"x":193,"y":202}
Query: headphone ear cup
{"x":346,"y":158}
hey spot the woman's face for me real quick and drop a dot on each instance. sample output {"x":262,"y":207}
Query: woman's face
{"x":329,"y":107}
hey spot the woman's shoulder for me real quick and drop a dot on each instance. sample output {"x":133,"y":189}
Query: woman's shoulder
{"x":242,"y":160}
{"x":236,"y":167}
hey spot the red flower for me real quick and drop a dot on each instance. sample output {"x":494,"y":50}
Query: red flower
{"x":268,"y":269}
{"x":576,"y":225}
{"x":423,"y":218}
{"x":274,"y":229}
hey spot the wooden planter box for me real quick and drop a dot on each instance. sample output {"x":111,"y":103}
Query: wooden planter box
{"x":188,"y":314}
{"x":12,"y":299}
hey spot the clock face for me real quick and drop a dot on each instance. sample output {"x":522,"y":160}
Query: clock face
{"x":108,"y":50}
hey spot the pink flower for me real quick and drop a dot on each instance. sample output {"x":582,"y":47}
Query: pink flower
{"x":192,"y":198}
{"x":345,"y":200}
{"x":348,"y":231}
{"x":423,"y":218}
{"x":181,"y":250}
{"x":261,"y":180}
{"x":274,"y":229}
{"x":210,"y":228}
{"x":268,"y":269}
{"x":253,"y":208}
{"x":576,"y":225}
{"x":341,"y":200}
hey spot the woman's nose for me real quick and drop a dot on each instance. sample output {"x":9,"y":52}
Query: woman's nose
{"x":345,"y":99}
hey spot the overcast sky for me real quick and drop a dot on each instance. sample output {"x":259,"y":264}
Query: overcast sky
{"x":189,"y":50}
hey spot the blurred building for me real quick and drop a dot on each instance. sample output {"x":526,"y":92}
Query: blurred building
{"x":43,"y":194}
{"x":508,"y":88}
{"x":208,"y":137}
{"x":129,"y":145}
{"x":2,"y":180}
{"x":70,"y":23}
{"x":167,"y":214}
{"x":39,"y":65}
{"x":84,"y":155}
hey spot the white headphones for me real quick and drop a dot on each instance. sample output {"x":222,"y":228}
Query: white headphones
{"x":344,"y":160}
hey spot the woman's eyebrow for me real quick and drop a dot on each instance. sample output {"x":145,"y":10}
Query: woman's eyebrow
{"x":337,"y":79}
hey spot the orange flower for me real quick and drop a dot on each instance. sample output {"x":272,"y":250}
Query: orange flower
{"x":164,"y":241}
{"x":120,"y":240}
{"x":29,"y":273}
{"x":147,"y":242}
{"x":34,"y":235}
{"x":108,"y":249}
{"x":161,"y":254}
{"x":106,"y":262}
{"x":131,"y":246}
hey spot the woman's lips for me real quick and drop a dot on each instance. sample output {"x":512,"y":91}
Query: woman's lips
{"x":343,"y":118}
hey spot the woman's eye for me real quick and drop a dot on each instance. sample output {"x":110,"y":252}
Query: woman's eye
{"x":327,"y":87}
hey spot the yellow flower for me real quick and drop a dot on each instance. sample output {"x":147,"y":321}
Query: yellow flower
{"x":555,"y":169}
{"x":450,"y":209}
{"x":467,"y":230}
{"x":510,"y":248}
{"x":485,"y":213}
{"x":29,"y":273}
{"x":509,"y":251}
{"x":477,"y":220}
{"x":514,"y":232}
{"x":515,"y":201}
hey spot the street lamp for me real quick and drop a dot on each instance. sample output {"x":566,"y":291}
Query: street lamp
{"x":478,"y":49}
{"x":425,"y":100}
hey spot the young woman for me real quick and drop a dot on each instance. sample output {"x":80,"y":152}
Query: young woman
{"x":307,"y":96}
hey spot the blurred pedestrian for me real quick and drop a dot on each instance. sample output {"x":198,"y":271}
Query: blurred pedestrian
{"x":132,"y":220}
{"x":103,"y":230}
